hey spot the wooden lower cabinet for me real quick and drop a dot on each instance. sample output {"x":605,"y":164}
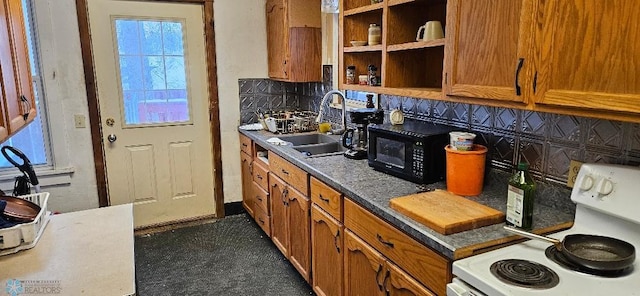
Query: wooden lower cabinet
{"x":279,"y":220}
{"x":327,"y":253}
{"x":247,"y":182}
{"x":363,"y":268}
{"x":399,"y":283}
{"x":300,"y":232}
{"x":369,"y":273}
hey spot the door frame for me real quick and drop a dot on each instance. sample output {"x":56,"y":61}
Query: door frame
{"x":94,"y":108}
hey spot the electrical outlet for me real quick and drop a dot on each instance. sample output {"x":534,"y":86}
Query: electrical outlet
{"x":79,"y":121}
{"x":574,"y":168}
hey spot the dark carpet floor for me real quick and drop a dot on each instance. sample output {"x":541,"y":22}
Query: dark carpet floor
{"x":231,"y":256}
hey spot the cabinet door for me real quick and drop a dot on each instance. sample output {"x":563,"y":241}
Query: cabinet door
{"x":300,"y":232}
{"x":277,"y":36}
{"x":487,"y":48}
{"x":589,"y":54}
{"x":326,"y":253}
{"x":18,"y":100}
{"x":247,"y":183}
{"x":363,"y":268}
{"x":399,"y":283}
{"x":279,"y":215}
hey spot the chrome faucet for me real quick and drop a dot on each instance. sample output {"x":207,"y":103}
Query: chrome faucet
{"x":342,"y":128}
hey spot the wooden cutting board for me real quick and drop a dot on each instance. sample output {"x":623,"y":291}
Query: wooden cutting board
{"x":446,"y":212}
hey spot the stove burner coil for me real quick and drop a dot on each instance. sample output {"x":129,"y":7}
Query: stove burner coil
{"x":524,"y":273}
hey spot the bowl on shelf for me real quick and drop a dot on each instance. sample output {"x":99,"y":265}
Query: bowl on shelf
{"x":358,"y":43}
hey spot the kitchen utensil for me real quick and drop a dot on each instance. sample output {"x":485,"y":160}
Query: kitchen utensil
{"x":25,"y":167}
{"x":445,"y":212}
{"x":431,"y":30}
{"x":19,"y":210}
{"x":358,"y":43}
{"x":595,"y":252}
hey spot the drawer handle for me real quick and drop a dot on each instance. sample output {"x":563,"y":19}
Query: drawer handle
{"x":285,"y":193}
{"x":244,"y":145}
{"x":284,"y":172}
{"x":384,"y":242}
{"x":259,"y":198}
{"x":322,"y":198}
{"x":261,"y":220}
{"x":380,"y":285}
{"x":335,"y":240}
{"x":259,"y":177}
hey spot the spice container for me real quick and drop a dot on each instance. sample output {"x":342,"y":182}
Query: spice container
{"x":363,"y":79}
{"x":372,"y":79}
{"x":351,"y":74}
{"x":375,"y":34}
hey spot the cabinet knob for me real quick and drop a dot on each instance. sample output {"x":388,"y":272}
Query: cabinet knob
{"x":111,"y":138}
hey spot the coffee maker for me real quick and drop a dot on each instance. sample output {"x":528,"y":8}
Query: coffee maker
{"x":356,"y":140}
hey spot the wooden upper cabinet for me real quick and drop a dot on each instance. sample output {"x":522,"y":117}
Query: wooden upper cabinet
{"x":18,"y":102}
{"x":589,"y":54}
{"x":294,"y":40}
{"x":488,"y":49}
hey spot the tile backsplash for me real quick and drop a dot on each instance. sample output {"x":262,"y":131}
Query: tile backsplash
{"x":548,"y":142}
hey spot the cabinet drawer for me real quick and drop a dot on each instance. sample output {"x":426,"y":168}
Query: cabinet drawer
{"x":245,"y":145}
{"x":327,"y":198}
{"x":260,"y":198}
{"x":424,"y":264}
{"x":263,"y":220}
{"x":289,"y":173}
{"x":260,"y":175}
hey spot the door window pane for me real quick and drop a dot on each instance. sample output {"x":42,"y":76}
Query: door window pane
{"x":152,"y":71}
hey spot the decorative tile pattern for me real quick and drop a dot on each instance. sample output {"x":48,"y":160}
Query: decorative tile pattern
{"x":441,"y":110}
{"x":634,"y":138}
{"x":506,"y":119}
{"x":276,"y":87}
{"x":408,"y":106}
{"x":423,"y":109}
{"x":603,"y":157}
{"x":504,"y":148}
{"x":565,"y":127}
{"x":482,"y":116}
{"x":383,"y":101}
{"x":604,"y":133}
{"x":394,"y":102}
{"x":532,"y":152}
{"x":261,"y":86}
{"x":533,"y":123}
{"x":559,"y":159}
{"x":245,"y":86}
{"x":460,"y":112}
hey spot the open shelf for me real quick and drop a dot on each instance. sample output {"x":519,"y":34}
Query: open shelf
{"x":365,"y":48}
{"x":400,"y":2}
{"x":358,"y":10}
{"x":407,"y":19}
{"x":415,"y":68}
{"x":415,"y":92}
{"x":415,"y":45}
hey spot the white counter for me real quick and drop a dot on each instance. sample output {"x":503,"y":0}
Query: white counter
{"x":80,"y":253}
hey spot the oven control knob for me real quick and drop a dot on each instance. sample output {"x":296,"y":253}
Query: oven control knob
{"x":587,"y":183}
{"x":605,"y":187}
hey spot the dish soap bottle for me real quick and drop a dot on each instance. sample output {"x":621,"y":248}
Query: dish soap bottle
{"x":520,"y":197}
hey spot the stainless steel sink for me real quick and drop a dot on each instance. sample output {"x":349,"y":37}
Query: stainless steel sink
{"x":308,"y":139}
{"x":323,"y":149}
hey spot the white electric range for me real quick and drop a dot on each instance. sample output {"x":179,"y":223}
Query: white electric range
{"x":607,"y":201}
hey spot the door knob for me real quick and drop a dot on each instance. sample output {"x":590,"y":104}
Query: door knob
{"x":111,"y":138}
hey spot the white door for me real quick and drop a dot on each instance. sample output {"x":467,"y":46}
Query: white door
{"x":151,"y":78}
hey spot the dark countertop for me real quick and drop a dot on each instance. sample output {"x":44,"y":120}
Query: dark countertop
{"x":373,"y":189}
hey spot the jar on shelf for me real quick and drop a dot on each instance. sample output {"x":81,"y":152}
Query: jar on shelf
{"x":375,"y":34}
{"x":372,"y":77}
{"x":351,"y":74}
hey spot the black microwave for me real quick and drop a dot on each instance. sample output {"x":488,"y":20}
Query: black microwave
{"x":412,"y":151}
